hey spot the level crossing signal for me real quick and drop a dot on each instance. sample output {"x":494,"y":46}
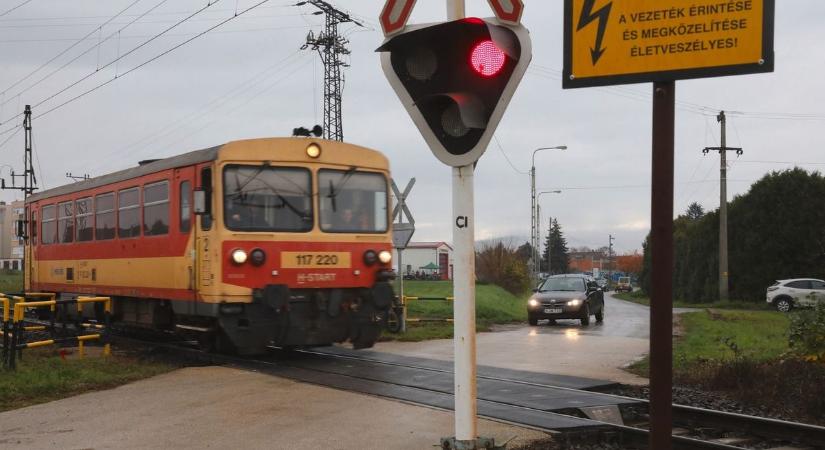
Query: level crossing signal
{"x":455,"y":79}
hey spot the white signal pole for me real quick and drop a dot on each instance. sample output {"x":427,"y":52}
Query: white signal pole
{"x":464,"y":290}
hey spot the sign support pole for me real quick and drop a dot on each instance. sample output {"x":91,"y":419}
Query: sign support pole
{"x":464,"y":290}
{"x":464,"y":311}
{"x":661,"y":245}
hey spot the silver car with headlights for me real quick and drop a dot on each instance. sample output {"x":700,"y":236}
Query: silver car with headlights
{"x":566,"y":297}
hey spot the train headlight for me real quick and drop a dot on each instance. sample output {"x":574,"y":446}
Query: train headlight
{"x":370,"y":257}
{"x":239,"y":256}
{"x":257,"y":257}
{"x":384,"y":256}
{"x":313,"y":150}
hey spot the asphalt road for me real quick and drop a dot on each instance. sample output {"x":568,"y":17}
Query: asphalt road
{"x":565,"y":348}
{"x":621,"y":319}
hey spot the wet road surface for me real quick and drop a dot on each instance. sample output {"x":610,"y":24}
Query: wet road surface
{"x":566,"y":348}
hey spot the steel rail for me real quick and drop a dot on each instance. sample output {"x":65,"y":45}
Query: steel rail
{"x":763,"y":427}
{"x":758,"y":426}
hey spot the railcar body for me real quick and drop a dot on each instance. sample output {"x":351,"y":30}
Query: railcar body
{"x":282,"y":241}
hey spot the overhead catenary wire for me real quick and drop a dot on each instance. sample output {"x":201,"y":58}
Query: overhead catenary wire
{"x":99,"y":43}
{"x":5,"y":141}
{"x":10,"y":10}
{"x":134,"y":49}
{"x":305,"y":63}
{"x":166,"y":13}
{"x":501,"y":149}
{"x":144,"y":36}
{"x":136,"y":147}
{"x":181,"y":44}
{"x":66,"y":50}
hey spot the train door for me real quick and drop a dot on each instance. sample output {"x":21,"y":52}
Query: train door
{"x":204,"y":272}
{"x":186,"y":275}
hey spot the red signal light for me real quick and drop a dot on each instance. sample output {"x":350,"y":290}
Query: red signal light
{"x":487,"y":59}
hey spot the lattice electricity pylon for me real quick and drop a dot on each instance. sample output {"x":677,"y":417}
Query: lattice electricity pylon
{"x":330,"y":46}
{"x":29,"y":179}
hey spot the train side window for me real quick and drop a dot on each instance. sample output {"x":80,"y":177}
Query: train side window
{"x":206,"y":185}
{"x":105,"y":216}
{"x":65,"y":222}
{"x":185,"y":206}
{"x":33,"y":228}
{"x":156,"y":209}
{"x":85,"y":219}
{"x":128,"y":213}
{"x":49,"y":225}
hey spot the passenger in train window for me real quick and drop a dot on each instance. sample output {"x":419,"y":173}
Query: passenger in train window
{"x":240,"y":215}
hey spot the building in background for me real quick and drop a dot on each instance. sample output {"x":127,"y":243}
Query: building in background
{"x":586,"y":261}
{"x":427,"y":260}
{"x":11,"y":248}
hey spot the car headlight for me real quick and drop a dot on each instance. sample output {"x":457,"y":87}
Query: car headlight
{"x":533,"y":302}
{"x":574,"y":302}
{"x":239,"y":256}
{"x":384,"y":256}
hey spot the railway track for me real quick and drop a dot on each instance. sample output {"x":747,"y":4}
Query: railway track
{"x":563,"y":409}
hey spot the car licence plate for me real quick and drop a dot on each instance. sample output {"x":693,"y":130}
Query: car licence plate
{"x":552,"y":310}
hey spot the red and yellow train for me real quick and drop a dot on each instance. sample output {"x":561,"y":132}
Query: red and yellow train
{"x":281,"y":241}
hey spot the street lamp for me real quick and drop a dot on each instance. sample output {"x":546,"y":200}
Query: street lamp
{"x":533,"y":216}
{"x":538,"y":220}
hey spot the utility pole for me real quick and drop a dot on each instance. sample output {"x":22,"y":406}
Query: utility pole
{"x":550,"y":246}
{"x":330,"y":46}
{"x":535,"y":234}
{"x":610,"y":259}
{"x":29,"y":183}
{"x":723,"y":205}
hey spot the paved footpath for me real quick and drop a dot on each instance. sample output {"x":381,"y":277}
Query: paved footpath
{"x":217,"y":407}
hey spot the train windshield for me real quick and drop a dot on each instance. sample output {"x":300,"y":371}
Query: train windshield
{"x":265,"y":198}
{"x":352,"y":201}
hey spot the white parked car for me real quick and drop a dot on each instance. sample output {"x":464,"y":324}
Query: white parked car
{"x":785,"y":295}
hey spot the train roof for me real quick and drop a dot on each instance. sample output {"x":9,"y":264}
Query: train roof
{"x":186,"y":159}
{"x":364,"y":156}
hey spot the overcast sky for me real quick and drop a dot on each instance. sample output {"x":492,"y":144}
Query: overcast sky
{"x":249,"y":78}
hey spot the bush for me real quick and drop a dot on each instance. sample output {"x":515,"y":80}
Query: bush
{"x":499,"y":264}
{"x":806,"y":334}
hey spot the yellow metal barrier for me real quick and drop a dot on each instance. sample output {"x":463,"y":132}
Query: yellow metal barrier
{"x":14,"y":329}
{"x":406,"y":299}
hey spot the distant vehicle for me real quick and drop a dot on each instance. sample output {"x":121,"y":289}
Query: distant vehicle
{"x":624,"y":285}
{"x":786,"y":295}
{"x":566,"y":297}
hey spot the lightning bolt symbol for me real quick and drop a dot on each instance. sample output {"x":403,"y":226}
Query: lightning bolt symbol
{"x":589,"y":16}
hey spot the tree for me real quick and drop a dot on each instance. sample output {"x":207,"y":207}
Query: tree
{"x":775,"y":231}
{"x":524,"y":252}
{"x":629,"y":263}
{"x":694,"y":211}
{"x":555,"y":250}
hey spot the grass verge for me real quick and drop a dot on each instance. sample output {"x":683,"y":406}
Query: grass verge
{"x":493,"y":305}
{"x":43,"y":376}
{"x":639,"y":297}
{"x":745,"y":355}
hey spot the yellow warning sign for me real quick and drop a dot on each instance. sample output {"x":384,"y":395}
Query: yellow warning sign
{"x":633,"y":41}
